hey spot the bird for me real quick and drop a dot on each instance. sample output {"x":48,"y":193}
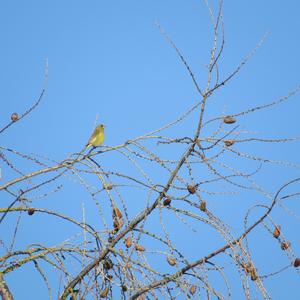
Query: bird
{"x":97,"y":138}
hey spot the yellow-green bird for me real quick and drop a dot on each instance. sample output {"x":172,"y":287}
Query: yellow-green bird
{"x":97,"y":138}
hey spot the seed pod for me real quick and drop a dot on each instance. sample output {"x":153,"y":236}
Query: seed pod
{"x":229,"y":120}
{"x":171,"y":261}
{"x":167,"y":202}
{"x":14,"y":117}
{"x":107,"y":186}
{"x":117,"y":213}
{"x":229,"y":143}
{"x":30,"y":211}
{"x":203,"y":206}
{"x":192,"y":188}
{"x":104,"y":293}
{"x":297,"y":262}
{"x":276,"y":232}
{"x":128,"y":242}
{"x":139,"y":248}
{"x":285,"y":245}
{"x":193,"y":289}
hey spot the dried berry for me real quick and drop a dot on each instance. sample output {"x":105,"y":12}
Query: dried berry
{"x":117,"y":213}
{"x":203,"y":206}
{"x":14,"y":117}
{"x":128,"y":242}
{"x":297,"y":262}
{"x":192,"y":188}
{"x":229,"y":143}
{"x":124,"y":288}
{"x":285,"y":245}
{"x":167,"y":202}
{"x":193,"y":289}
{"x":276,"y":232}
{"x":104,"y":293}
{"x":229,"y":120}
{"x":139,"y":248}
{"x":30,"y":211}
{"x":171,"y":261}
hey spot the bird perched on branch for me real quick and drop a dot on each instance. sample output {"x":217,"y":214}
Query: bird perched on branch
{"x":97,"y":138}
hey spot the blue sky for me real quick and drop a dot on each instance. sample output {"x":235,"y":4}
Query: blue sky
{"x":108,"y":59}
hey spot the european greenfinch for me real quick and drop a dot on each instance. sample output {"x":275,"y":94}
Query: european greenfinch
{"x":97,"y":138}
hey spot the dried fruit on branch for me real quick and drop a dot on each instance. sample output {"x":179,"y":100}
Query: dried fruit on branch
{"x":285,"y":245}
{"x":203,"y":206}
{"x":192,"y":188}
{"x":14,"y":117}
{"x":139,"y":248}
{"x":229,"y":120}
{"x":276,"y":232}
{"x":297,"y":262}
{"x":128,"y":242}
{"x":171,"y":261}
{"x":117,"y":213}
{"x":167,"y":202}
{"x":193,"y":289}
{"x":229,"y":143}
{"x":104,"y":293}
{"x":30,"y":211}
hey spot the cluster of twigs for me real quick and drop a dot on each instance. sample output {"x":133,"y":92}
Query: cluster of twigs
{"x":136,"y":253}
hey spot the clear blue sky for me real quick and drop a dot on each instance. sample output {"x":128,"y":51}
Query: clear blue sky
{"x":108,"y":58}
